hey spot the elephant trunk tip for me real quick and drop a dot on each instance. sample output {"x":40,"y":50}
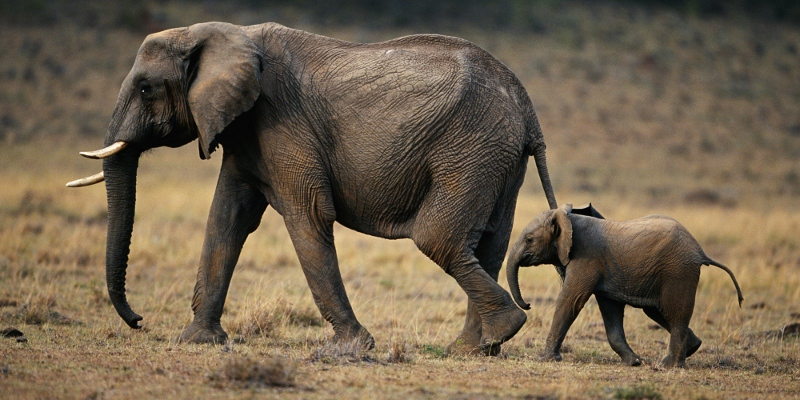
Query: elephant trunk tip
{"x":133,"y":320}
{"x":129,"y":316}
{"x":124,"y":310}
{"x":515,"y":293}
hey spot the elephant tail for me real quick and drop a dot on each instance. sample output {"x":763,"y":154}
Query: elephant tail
{"x":709,"y":261}
{"x":535,"y":139}
{"x":535,"y":147}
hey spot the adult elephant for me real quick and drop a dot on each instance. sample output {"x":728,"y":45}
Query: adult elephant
{"x":424,"y":137}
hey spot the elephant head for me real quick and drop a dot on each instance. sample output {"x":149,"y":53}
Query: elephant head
{"x":546,"y":240}
{"x":185,"y":84}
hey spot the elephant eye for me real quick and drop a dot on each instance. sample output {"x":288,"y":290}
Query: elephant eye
{"x":529,"y":239}
{"x":145,"y":89}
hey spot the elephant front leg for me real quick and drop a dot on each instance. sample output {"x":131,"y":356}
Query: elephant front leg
{"x":613,"y":313}
{"x":313,"y":242}
{"x":235,"y":212}
{"x":575,"y":292}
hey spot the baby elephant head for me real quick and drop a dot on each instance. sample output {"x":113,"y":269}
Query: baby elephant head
{"x":546,"y":240}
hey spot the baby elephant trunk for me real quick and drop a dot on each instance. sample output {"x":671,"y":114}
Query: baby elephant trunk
{"x":512,"y":275}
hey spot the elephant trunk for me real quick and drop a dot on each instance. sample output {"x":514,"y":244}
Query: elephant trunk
{"x":512,"y":275}
{"x":120,"y":175}
{"x":541,"y":165}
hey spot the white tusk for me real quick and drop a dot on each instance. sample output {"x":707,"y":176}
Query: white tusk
{"x":89,"y":180}
{"x":105,"y":152}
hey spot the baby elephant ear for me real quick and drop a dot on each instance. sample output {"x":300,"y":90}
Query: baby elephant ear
{"x":564,"y":238}
{"x":223,"y":75}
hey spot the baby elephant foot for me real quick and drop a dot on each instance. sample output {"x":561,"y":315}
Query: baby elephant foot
{"x":356,"y":337}
{"x":632,"y":360}
{"x":491,"y":350}
{"x":693,"y":344}
{"x":498,"y":328}
{"x":670,"y":362}
{"x":549,"y":356}
{"x":195,"y":333}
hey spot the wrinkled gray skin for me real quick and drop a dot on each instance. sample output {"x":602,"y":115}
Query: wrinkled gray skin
{"x":424,"y":137}
{"x":651,"y":263}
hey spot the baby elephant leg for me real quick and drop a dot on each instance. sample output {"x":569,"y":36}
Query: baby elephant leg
{"x":613,"y":313}
{"x":574,"y":294}
{"x":692,"y":341}
{"x":676,"y":314}
{"x":677,"y":347}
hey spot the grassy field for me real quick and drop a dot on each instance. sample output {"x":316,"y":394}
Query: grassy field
{"x":696,"y":119}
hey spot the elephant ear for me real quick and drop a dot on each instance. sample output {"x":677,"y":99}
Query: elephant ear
{"x":563,"y":232}
{"x":223,"y":78}
{"x":587,"y":210}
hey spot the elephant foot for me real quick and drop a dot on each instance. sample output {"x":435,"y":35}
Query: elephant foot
{"x":693,"y":345}
{"x":461,"y":346}
{"x":500,"y":327}
{"x":632,"y":360}
{"x":468,"y":342}
{"x":549,"y":356}
{"x":670,"y":362}
{"x":195,"y":333}
{"x":357,"y":337}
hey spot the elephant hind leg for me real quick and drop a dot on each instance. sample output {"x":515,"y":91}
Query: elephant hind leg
{"x":490,"y":254}
{"x":676,"y":356}
{"x":693,"y":342}
{"x":476,"y":237}
{"x":450,"y":239}
{"x":613,"y":313}
{"x":676,"y":314}
{"x":500,"y":318}
{"x":468,"y":341}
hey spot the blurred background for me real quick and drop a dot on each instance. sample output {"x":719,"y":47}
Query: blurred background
{"x":653,"y":102}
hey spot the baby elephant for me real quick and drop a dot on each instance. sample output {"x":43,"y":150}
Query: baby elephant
{"x":651,"y":263}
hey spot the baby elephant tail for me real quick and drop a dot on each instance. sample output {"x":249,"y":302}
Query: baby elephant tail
{"x":716,"y":264}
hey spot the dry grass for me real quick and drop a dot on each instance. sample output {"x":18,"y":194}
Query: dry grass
{"x":52,"y":290}
{"x":666,"y":115}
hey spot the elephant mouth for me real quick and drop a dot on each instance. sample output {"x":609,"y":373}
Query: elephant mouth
{"x":531,"y":262}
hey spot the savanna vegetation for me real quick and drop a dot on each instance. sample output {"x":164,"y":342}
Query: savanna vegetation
{"x":645,"y":109}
